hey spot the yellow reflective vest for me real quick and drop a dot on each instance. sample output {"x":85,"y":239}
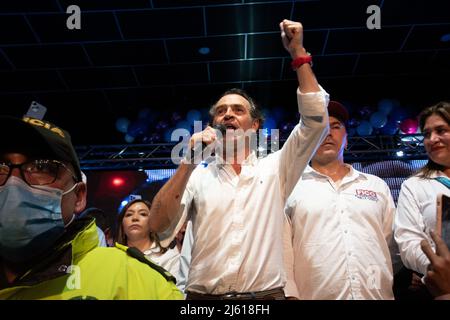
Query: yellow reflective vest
{"x":79,"y":269}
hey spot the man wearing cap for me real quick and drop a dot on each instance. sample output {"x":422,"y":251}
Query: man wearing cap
{"x":44,"y":252}
{"x":341,"y":224}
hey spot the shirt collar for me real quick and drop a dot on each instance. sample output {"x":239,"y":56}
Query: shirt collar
{"x":437,"y":173}
{"x":353,"y":174}
{"x":249,"y":161}
{"x":152,"y":249}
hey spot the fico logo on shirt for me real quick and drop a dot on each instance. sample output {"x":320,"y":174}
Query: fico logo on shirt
{"x":366,"y":194}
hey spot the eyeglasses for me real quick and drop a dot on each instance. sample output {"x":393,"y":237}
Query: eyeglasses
{"x":36,"y":172}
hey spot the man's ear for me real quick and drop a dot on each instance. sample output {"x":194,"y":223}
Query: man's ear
{"x":255,"y":125}
{"x":81,"y":193}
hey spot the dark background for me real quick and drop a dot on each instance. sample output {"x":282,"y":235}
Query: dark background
{"x":134,"y":54}
{"x":103,"y":194}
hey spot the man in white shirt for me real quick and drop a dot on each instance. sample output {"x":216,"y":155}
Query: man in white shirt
{"x":341,"y":225}
{"x":236,"y":208}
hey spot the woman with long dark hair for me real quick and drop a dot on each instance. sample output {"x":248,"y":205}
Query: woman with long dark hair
{"x":416,"y":210}
{"x":134,"y":231}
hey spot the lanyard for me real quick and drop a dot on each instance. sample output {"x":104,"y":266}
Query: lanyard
{"x":445,"y":181}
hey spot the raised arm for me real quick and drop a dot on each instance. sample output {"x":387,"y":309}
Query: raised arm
{"x":312,"y":100}
{"x":292,"y":38}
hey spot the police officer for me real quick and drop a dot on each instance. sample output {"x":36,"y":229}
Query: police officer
{"x":44,"y":252}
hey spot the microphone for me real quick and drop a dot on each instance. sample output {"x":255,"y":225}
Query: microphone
{"x":218,"y":127}
{"x":195,"y":151}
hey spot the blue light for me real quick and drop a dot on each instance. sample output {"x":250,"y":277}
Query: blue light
{"x":129,"y":138}
{"x":445,"y":37}
{"x":159,"y":174}
{"x":124,"y":203}
{"x":400,"y":154}
{"x":204,"y":50}
{"x":269,"y":123}
{"x":265,"y":132}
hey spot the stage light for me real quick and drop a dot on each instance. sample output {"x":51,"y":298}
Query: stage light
{"x":400,"y":154}
{"x":124,"y":203}
{"x":445,"y":37}
{"x":118,"y":182}
{"x":408,"y":139}
{"x":159,"y":174}
{"x":204,"y":50}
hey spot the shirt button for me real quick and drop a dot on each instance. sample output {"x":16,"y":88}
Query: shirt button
{"x":345,"y":231}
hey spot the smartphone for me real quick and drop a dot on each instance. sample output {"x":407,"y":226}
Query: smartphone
{"x":36,"y":111}
{"x":443,"y":217}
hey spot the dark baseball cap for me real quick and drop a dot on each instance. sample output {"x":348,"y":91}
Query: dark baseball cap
{"x":39,"y":136}
{"x":337,"y":110}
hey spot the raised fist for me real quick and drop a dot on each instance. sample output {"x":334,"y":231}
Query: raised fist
{"x":292,"y":37}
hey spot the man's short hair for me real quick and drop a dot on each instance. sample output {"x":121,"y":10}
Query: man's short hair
{"x":255,"y":112}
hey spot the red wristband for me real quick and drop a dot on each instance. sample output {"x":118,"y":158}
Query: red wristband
{"x":297,"y":62}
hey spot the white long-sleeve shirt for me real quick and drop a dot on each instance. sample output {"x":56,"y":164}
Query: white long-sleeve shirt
{"x":238,"y":219}
{"x":340,"y":237}
{"x":169,"y":260}
{"x":185,"y":257}
{"x":416,"y":216}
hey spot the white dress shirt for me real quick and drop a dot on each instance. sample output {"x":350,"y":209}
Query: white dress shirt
{"x":237,"y":220}
{"x":341,"y":236}
{"x":185,"y":257}
{"x":169,"y":260}
{"x":416,"y":216}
